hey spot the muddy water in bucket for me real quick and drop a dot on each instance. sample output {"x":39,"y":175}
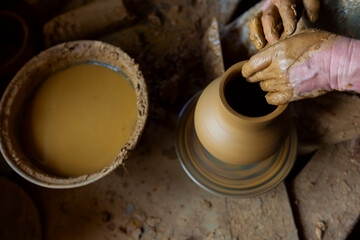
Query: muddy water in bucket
{"x":76,"y":130}
{"x":79,"y":118}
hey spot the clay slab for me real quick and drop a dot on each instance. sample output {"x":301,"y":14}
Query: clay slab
{"x":327,"y":192}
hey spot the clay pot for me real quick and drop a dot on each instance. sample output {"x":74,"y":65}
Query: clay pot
{"x":17,"y":43}
{"x":232,"y":137}
{"x":25,"y":82}
{"x":18,"y":209}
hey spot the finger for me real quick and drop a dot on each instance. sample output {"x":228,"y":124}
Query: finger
{"x":312,"y":9}
{"x":278,"y":98}
{"x":266,"y":5}
{"x":269,"y":73}
{"x":275,"y":85}
{"x":256,"y":63}
{"x":288,"y":15}
{"x":269,"y":20}
{"x":256,"y":32}
{"x":264,"y":75}
{"x":257,"y":77}
{"x":276,"y":81}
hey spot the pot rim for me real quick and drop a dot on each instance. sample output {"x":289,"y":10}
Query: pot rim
{"x":68,"y":52}
{"x":235,"y":69}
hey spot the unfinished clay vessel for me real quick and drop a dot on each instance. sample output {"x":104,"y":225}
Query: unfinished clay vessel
{"x":231,"y":136}
{"x":31,"y":75}
{"x":17,"y":43}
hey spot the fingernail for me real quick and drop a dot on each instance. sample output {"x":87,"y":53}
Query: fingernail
{"x":269,"y":101}
{"x":244,"y":71}
{"x":277,"y":99}
{"x":263,"y":86}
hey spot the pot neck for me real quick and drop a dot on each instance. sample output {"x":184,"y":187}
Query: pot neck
{"x":230,"y":114}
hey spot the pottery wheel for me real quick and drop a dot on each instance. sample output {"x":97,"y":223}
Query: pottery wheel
{"x":225,"y":179}
{"x":18,"y":216}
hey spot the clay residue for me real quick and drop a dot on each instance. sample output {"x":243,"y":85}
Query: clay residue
{"x":256,"y":32}
{"x":348,"y":85}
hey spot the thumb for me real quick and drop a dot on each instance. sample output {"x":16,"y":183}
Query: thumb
{"x":312,"y":9}
{"x":278,"y":98}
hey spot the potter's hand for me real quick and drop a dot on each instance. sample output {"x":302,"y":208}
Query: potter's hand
{"x":305,"y":65}
{"x":267,"y":24}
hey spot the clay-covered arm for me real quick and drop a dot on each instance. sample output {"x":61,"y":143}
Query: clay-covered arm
{"x":267,"y":25}
{"x":308,"y":64}
{"x":344,"y":64}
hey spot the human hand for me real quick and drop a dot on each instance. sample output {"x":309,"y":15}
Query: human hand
{"x":296,"y":67}
{"x":266,"y":26}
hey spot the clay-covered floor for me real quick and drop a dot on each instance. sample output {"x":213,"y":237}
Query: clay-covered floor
{"x":178,"y":47}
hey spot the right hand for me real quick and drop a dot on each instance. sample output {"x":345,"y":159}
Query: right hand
{"x":298,"y":67}
{"x":266,"y":26}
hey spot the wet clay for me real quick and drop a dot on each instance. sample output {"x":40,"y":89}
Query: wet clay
{"x":273,"y":66}
{"x":256,"y":32}
{"x":79,"y":119}
{"x":246,"y":98}
{"x":232,"y":137}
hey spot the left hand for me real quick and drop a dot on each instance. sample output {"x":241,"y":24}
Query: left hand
{"x":266,"y":26}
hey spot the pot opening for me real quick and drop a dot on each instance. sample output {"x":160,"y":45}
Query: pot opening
{"x":246,"y":98}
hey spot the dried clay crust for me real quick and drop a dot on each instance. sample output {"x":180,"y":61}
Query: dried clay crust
{"x":36,"y":71}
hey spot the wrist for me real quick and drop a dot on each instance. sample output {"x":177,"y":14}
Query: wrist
{"x":311,"y":71}
{"x":334,"y":65}
{"x":344,"y":65}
